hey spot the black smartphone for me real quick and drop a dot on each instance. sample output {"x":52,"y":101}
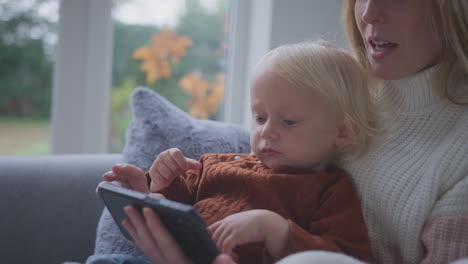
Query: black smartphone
{"x":181,"y":220}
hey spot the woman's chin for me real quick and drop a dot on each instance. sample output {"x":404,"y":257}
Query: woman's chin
{"x":387,"y":71}
{"x":383,"y":73}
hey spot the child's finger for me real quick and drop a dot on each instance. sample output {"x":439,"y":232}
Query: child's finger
{"x":193,"y":164}
{"x":175,"y":164}
{"x":158,"y":182}
{"x":125,"y":184}
{"x":228,"y":245}
{"x":157,"y":195}
{"x":213,"y":227}
{"x":214,"y":231}
{"x":161,"y":172}
{"x":232,"y":255}
{"x":216,"y":235}
{"x":225,"y":259}
{"x":178,"y":157}
{"x":108,"y":175}
{"x":222,"y":237}
{"x":111,"y":177}
{"x":130,"y":176}
{"x":104,"y":182}
{"x":127,"y":170}
{"x":167,"y":171}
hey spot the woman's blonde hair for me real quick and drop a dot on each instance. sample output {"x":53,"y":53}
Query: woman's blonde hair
{"x":450,"y":20}
{"x":337,"y":76}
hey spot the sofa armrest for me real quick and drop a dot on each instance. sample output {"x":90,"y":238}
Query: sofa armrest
{"x":49,"y":207}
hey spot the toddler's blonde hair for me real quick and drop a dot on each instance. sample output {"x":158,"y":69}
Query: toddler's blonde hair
{"x":337,"y":76}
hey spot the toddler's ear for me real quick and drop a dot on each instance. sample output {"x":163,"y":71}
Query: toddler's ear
{"x":347,"y":133}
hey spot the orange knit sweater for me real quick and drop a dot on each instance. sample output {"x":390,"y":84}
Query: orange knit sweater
{"x":322,"y":208}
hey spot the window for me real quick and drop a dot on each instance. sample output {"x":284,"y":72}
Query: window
{"x":176,"y":48}
{"x":81,"y":44}
{"x":27,"y":41}
{"x":83,"y":66}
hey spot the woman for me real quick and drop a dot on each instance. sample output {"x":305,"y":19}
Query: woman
{"x":413,"y":184}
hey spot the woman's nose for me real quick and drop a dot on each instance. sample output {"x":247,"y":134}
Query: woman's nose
{"x":373,"y":12}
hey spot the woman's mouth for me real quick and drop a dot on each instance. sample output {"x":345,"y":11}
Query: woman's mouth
{"x":381,"y":48}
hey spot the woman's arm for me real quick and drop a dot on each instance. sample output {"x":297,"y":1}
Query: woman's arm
{"x":445,"y":235}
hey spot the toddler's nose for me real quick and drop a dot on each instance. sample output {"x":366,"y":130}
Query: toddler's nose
{"x":269,"y":131}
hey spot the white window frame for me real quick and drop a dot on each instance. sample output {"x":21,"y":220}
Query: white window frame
{"x":249,"y":39}
{"x":82,"y":77}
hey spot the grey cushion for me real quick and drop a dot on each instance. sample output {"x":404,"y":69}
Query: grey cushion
{"x":156,"y":126}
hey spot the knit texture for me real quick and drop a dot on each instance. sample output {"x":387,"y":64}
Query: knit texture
{"x":448,"y":233}
{"x":416,"y":174}
{"x":322,"y":207}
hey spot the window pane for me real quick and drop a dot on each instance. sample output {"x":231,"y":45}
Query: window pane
{"x":27,"y":41}
{"x":176,"y":48}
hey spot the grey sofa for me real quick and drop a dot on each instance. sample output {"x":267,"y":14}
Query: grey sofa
{"x":49,"y":207}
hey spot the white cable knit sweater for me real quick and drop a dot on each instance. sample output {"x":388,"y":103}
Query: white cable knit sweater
{"x":414,"y":185}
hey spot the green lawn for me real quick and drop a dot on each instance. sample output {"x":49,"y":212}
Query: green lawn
{"x":24,"y":136}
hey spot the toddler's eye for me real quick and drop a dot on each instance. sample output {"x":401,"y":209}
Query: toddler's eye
{"x":260,"y":119}
{"x":289,"y":122}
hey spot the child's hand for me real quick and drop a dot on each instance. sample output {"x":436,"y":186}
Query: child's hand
{"x":168,"y":165}
{"x":129,"y":176}
{"x":250,"y":226}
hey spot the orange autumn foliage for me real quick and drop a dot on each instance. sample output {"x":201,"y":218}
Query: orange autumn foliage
{"x":166,"y":45}
{"x":204,"y":97}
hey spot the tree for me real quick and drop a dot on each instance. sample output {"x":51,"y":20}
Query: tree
{"x":167,"y":47}
{"x":25,"y":65}
{"x":127,"y":38}
{"x":200,"y":72}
